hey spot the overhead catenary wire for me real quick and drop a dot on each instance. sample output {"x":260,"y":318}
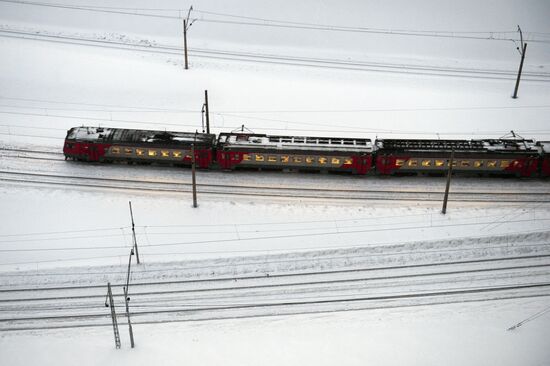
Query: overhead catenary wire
{"x":400,"y":68}
{"x":264,"y":22}
{"x":239,"y":239}
{"x":531,"y":318}
{"x":255,"y":223}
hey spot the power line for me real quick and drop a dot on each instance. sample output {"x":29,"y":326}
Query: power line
{"x":258,"y":238}
{"x":97,"y":10}
{"x":489,"y":35}
{"x":64,"y":232}
{"x":259,"y":111}
{"x":288,"y":60}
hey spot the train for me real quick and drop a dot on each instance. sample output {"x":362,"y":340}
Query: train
{"x":242,"y":149}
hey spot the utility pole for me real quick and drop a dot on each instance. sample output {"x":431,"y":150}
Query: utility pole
{"x":522,"y":49}
{"x":127,"y":299}
{"x":111,"y":304}
{"x":134,"y":232}
{"x":206,"y":110}
{"x":194,"y":180}
{"x":186,"y":26}
{"x":449,"y":173}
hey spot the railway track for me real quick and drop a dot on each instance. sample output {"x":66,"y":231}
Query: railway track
{"x":507,"y":267}
{"x":178,"y":187}
{"x":252,"y":297}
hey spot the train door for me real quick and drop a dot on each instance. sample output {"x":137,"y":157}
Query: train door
{"x":93,"y":154}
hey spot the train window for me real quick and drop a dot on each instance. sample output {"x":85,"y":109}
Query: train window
{"x":426,"y":163}
{"x":322,"y":160}
{"x":260,"y":158}
{"x":478,"y":163}
{"x":272,"y":159}
{"x":504,"y":163}
{"x":348,"y":161}
{"x":399,"y":162}
{"x":491,"y":164}
{"x":165,"y":153}
{"x":335,"y":161}
{"x":152,"y":153}
{"x":177,"y":154}
{"x":285,"y":158}
{"x":465,"y":163}
{"x":309,"y":159}
{"x":246,"y":157}
{"x":128,"y":150}
{"x":440,"y":163}
{"x":235,"y":157}
{"x":297,"y":159}
{"x":140,"y":152}
{"x":115,"y":150}
{"x":413,"y":162}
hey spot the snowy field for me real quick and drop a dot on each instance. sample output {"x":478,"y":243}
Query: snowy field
{"x":271,"y":268}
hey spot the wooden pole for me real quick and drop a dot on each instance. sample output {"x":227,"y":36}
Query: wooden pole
{"x":134,"y":233}
{"x":127,"y":300}
{"x":206,"y":111}
{"x":185,"y":42}
{"x":449,"y":173}
{"x":194,"y":180}
{"x":519,"y":72}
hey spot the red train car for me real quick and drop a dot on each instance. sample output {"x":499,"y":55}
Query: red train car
{"x":138,"y":146}
{"x":544,"y":149}
{"x":331,"y":154}
{"x":518,"y":157}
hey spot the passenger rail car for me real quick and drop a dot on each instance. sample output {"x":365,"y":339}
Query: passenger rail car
{"x":138,"y":146}
{"x":236,"y":150}
{"x":242,"y":150}
{"x":502,"y":156}
{"x":544,"y":149}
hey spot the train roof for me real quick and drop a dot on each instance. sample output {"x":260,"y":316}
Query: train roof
{"x":120,"y":135}
{"x":247,"y":140}
{"x":489,"y":145}
{"x":544,"y":146}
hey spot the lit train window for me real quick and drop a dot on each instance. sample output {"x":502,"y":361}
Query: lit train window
{"x":335,"y":161}
{"x":478,"y":164}
{"x":504,"y":163}
{"x":152,"y":153}
{"x":260,"y":158}
{"x":246,"y":157}
{"x":297,"y":159}
{"x":426,"y":163}
{"x":285,"y":158}
{"x":309,"y":160}
{"x":399,"y":162}
{"x":322,"y":160}
{"x":440,"y":163}
{"x":491,"y":164}
{"x":348,"y":161}
{"x":177,"y":154}
{"x":413,"y":162}
{"x":272,"y":159}
{"x":115,"y":150}
{"x":140,"y":152}
{"x":165,"y":153}
{"x":128,"y":150}
{"x":464,"y":163}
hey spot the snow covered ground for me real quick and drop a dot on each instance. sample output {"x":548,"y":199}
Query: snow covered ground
{"x":61,"y":68}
